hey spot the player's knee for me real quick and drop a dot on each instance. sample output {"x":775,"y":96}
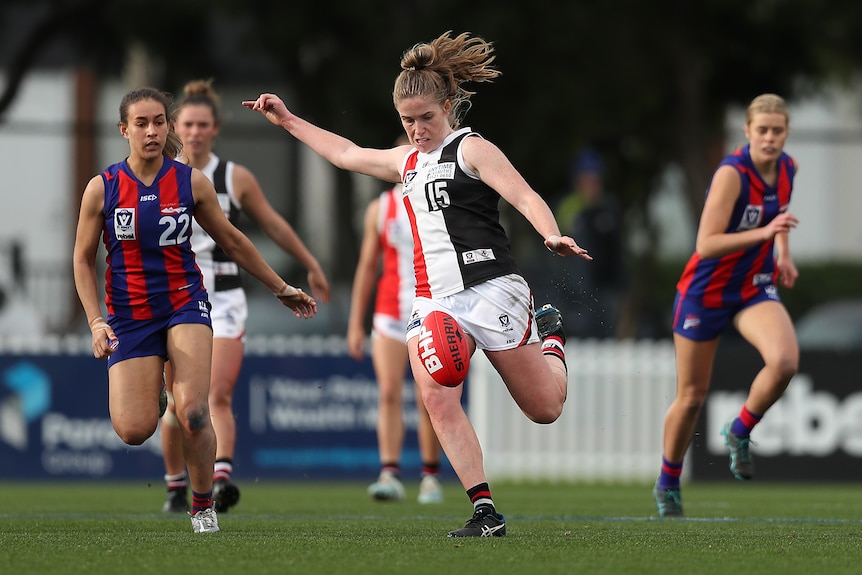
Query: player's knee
{"x":220,"y":401}
{"x":197,"y":419}
{"x":548,"y":413}
{"x":785,"y":366}
{"x":690,"y":402}
{"x":134,"y":432}
{"x":390,"y":397}
{"x":195,"y":416}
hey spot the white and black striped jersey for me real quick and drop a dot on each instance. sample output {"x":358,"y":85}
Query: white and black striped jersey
{"x":219,"y":271}
{"x":458,"y":241}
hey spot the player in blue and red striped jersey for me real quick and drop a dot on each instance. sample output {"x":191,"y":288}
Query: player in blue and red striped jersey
{"x":142,"y":209}
{"x":742,"y":250}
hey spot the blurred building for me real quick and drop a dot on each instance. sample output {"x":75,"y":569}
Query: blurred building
{"x":44,"y":147}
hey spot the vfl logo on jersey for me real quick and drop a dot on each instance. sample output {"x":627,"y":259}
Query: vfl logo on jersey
{"x":771,"y":292}
{"x":124,"y":223}
{"x":751,"y":218}
{"x":476,"y":256}
{"x":505,"y":322}
{"x":407,"y":184}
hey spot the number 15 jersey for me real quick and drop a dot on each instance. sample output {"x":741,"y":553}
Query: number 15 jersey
{"x":151,"y":266}
{"x":458,"y":241}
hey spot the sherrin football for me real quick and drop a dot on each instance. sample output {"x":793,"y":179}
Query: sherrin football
{"x":443,"y":349}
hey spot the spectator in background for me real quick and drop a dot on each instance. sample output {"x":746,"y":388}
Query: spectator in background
{"x":198,"y":120}
{"x":387,"y":237}
{"x":589,"y":213}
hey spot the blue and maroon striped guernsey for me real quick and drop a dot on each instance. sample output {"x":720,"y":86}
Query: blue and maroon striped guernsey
{"x":151,"y":266}
{"x":735,"y":277}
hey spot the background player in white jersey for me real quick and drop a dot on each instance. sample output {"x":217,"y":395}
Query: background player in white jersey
{"x":198,"y":122}
{"x":387,"y":237}
{"x":453,"y":181}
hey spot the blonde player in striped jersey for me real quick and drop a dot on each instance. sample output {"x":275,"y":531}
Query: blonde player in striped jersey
{"x":453,"y":180}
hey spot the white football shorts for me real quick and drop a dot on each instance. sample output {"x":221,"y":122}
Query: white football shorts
{"x":497,"y":314}
{"x":383,"y":325}
{"x":229,"y":313}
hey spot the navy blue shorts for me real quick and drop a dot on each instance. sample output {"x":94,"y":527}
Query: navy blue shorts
{"x":145,"y":338}
{"x":699,"y":323}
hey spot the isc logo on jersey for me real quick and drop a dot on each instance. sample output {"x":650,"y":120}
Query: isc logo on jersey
{"x":443,"y":349}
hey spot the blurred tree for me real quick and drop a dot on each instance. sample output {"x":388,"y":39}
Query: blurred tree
{"x":648,"y":83}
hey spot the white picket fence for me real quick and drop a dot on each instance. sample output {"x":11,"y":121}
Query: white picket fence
{"x":610,"y":429}
{"x":611,"y":426}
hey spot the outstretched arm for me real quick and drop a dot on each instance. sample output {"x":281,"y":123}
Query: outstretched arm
{"x":339,"y":151}
{"x":255,"y":204}
{"x":495,"y":169}
{"x":240,"y":249}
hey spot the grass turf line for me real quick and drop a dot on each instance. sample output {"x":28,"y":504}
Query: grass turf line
{"x":310,"y":528}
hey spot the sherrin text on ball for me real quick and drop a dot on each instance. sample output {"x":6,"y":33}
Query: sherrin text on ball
{"x":443,"y":349}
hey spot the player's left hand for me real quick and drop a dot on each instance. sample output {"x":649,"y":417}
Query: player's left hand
{"x":787,"y":272}
{"x":566,"y":246}
{"x":271,"y":106}
{"x":302,"y":304}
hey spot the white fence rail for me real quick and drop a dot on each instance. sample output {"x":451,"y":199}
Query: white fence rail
{"x":611,"y":426}
{"x":610,"y":429}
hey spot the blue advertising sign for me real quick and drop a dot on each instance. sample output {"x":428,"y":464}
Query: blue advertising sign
{"x":313,"y":416}
{"x":297,"y":416}
{"x":54,"y":422}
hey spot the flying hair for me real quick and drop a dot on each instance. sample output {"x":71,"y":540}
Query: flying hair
{"x":441,"y":67}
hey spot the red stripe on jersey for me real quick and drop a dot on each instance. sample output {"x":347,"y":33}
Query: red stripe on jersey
{"x":714,"y":297}
{"x":389,"y":286}
{"x":136,"y":281}
{"x":176,"y":273}
{"x":749,"y":290}
{"x":688,"y":275}
{"x":423,"y":288}
{"x":784,"y":186}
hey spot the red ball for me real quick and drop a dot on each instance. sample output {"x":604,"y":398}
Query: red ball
{"x":443,"y":349}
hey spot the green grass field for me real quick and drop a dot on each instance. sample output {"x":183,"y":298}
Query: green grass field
{"x":333,"y":528}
